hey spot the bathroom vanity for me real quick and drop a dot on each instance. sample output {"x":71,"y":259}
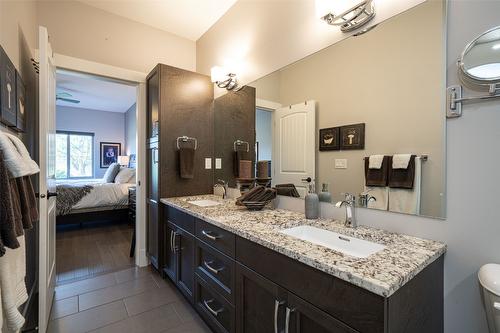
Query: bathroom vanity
{"x":242,"y":273}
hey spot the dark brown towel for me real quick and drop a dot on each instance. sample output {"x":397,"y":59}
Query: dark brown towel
{"x":186,"y":163}
{"x":377,"y":177}
{"x":9,"y":215}
{"x":257,"y":194}
{"x":29,"y":211}
{"x":263,"y":169}
{"x":288,"y":190}
{"x":402,"y":178}
{"x":237,"y":157}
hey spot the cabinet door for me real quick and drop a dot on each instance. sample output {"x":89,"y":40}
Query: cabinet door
{"x":303,"y":317}
{"x":185,"y":250}
{"x":153,"y":90}
{"x":260,"y":303}
{"x":153,"y":159}
{"x":170,"y":257}
{"x":153,"y":232}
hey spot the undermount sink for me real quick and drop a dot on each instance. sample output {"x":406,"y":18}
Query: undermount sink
{"x":348,"y":245}
{"x":204,"y":203}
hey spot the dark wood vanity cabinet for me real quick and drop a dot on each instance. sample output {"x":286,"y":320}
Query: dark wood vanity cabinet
{"x":239,"y":286}
{"x":175,"y":99}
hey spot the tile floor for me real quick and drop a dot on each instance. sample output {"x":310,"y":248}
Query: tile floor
{"x":134,"y":300}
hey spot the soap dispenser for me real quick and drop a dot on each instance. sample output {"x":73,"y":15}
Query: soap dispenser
{"x":325,"y":195}
{"x":311,"y":204}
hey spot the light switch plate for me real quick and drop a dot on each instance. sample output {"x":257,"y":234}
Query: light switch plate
{"x":208,"y":163}
{"x":340,"y":163}
{"x":218,"y":163}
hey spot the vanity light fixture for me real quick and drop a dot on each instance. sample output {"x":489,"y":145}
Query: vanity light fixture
{"x":348,"y":14}
{"x":223,"y":79}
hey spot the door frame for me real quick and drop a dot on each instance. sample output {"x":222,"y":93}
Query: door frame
{"x":139,"y":80}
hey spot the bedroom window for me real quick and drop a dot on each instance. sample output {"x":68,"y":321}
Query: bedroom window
{"x":74,"y":155}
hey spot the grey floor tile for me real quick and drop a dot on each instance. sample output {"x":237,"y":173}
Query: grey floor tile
{"x":64,"y":307}
{"x":156,"y":320}
{"x":132,"y":274}
{"x":150,"y":299}
{"x":193,"y":326}
{"x":185,"y":311}
{"x":84,"y":286}
{"x":89,"y":320}
{"x":116,"y":292}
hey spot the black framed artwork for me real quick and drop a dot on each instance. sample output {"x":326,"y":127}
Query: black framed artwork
{"x":8,"y":111}
{"x":329,"y":139}
{"x":109,"y":152}
{"x":352,"y":137}
{"x":21,"y":102}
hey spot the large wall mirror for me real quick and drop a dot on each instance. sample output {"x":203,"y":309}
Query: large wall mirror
{"x":364,"y":116}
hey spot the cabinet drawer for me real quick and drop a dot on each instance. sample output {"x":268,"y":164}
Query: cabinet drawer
{"x":180,"y":219}
{"x":216,"y":269}
{"x":220,"y":239}
{"x":355,"y":306}
{"x":216,"y":311}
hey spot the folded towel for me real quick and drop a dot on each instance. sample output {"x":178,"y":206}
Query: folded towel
{"x":10,"y":212}
{"x":263,"y":169}
{"x":186,"y":163}
{"x":288,"y":190}
{"x":27,"y":200}
{"x":237,"y":157}
{"x":245,"y":169}
{"x":407,"y":200}
{"x":375,"y":161}
{"x":402,"y":178}
{"x":13,"y":287}
{"x":377,"y":177}
{"x":16,"y":156}
{"x":401,"y":161}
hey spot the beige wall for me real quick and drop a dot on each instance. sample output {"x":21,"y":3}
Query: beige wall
{"x":82,"y":31}
{"x":392,"y":79}
{"x":263,"y":36}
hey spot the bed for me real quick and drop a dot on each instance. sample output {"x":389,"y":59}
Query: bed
{"x":91,"y":200}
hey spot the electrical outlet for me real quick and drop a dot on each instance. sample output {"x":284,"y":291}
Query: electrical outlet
{"x":208,"y":163}
{"x":340,"y":163}
{"x":218,"y":163}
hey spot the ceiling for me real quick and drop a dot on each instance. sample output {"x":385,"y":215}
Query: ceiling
{"x":94,"y":93}
{"x":186,"y":18}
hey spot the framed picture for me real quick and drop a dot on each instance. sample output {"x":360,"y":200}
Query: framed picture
{"x":109,"y":152}
{"x":8,"y":110}
{"x":352,"y":136}
{"x":329,"y":139}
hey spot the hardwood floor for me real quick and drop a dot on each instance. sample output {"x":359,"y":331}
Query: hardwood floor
{"x":91,"y":250}
{"x":135,"y":300}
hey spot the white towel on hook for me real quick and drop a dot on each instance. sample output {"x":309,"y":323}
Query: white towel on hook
{"x":13,"y":287}
{"x":408,"y":200}
{"x":375,"y":161}
{"x":16,"y":156}
{"x":400,"y":161}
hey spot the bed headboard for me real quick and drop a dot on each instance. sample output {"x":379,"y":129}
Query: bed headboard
{"x":132,"y":161}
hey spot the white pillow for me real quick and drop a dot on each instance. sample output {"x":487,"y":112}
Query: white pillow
{"x":111,"y":173}
{"x":124,"y":175}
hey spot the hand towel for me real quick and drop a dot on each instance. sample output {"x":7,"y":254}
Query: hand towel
{"x":402,"y":178}
{"x":10,"y":212}
{"x":263,"y":169}
{"x":27,"y":200}
{"x":381,"y":195}
{"x":407,"y":200}
{"x":237,"y":157}
{"x":377,"y":177}
{"x":245,"y":169}
{"x":401,"y":161}
{"x":13,"y":287}
{"x":17,"y":158}
{"x":375,"y":161}
{"x":186,"y":163}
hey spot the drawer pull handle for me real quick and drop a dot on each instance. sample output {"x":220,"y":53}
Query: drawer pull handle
{"x":210,"y":268}
{"x":287,"y":319}
{"x":276,"y":308}
{"x":210,"y":236}
{"x":212,"y":311}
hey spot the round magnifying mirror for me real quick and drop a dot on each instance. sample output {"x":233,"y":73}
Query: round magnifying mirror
{"x":480,"y":62}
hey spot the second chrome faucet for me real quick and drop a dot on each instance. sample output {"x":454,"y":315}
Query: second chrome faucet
{"x":349,"y":203}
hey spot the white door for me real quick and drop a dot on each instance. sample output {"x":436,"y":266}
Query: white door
{"x":294,"y":145}
{"x":47,"y":117}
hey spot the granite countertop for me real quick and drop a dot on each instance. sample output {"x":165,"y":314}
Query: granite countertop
{"x":382,"y":273}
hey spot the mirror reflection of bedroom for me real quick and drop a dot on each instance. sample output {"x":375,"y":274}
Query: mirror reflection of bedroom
{"x":95,"y":175}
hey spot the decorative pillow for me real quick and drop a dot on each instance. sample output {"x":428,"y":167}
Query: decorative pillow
{"x":124,"y":175}
{"x":111,"y":173}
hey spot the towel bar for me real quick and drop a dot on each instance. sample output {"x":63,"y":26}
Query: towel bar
{"x":239,"y":143}
{"x":423,"y":157}
{"x":186,"y":139}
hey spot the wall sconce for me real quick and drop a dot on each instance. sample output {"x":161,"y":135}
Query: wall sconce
{"x":348,"y":14}
{"x":224,"y":78}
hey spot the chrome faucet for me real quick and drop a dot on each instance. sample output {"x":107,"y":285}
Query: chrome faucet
{"x":224,"y":185}
{"x":349,"y":203}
